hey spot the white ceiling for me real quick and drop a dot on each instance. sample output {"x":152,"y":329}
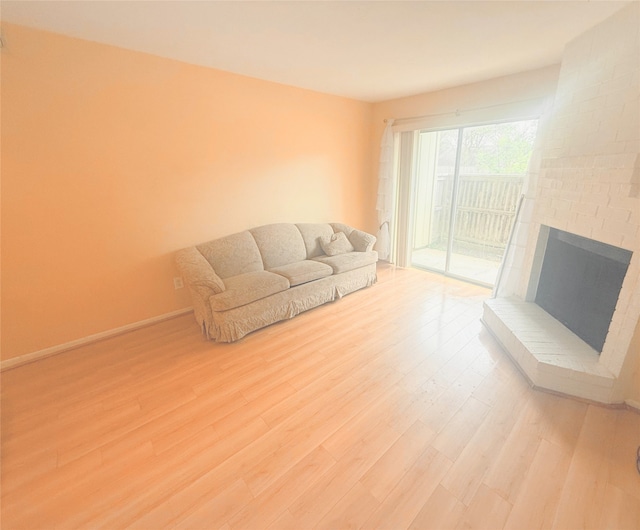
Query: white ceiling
{"x":371,"y":51}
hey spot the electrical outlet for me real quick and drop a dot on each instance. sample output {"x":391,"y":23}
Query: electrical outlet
{"x":178,"y":283}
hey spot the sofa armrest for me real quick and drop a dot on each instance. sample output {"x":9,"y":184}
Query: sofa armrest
{"x":362,"y":241}
{"x":198,"y":273}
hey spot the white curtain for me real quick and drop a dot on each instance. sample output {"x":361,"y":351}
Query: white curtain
{"x":403,"y":217}
{"x":385,"y":204}
{"x":510,"y":279}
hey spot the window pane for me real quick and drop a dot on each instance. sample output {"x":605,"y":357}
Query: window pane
{"x":433,"y":198}
{"x":494,"y":160}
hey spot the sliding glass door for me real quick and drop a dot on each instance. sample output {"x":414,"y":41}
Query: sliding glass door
{"x":466,"y":188}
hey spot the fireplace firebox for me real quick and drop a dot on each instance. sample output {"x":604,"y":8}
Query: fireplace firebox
{"x":580,"y":282}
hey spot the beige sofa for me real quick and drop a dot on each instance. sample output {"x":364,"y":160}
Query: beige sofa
{"x":249,"y":280}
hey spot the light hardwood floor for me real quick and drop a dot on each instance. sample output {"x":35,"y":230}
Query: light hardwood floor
{"x":391,"y":408}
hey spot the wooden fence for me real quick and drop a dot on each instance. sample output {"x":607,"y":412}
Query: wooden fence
{"x":485,"y":210}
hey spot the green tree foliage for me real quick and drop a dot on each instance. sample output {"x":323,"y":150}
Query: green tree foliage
{"x":499,"y":149}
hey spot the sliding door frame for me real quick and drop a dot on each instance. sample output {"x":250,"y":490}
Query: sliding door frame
{"x":407,"y":166}
{"x":454,"y":202}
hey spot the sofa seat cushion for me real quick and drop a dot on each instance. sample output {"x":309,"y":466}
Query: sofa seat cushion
{"x":246,"y":288}
{"x":303,"y":271}
{"x":349,"y":261}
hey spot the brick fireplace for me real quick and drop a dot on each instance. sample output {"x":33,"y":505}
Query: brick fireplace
{"x":587,"y":185}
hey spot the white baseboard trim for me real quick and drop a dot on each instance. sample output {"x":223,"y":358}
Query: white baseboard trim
{"x":632,"y":403}
{"x":53,"y":350}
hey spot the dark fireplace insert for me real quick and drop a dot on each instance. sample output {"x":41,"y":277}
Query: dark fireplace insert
{"x":580,"y":282}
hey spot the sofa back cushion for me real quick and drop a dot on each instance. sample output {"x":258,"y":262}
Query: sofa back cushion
{"x":279,"y":244}
{"x":233,"y":255}
{"x":311,"y":234}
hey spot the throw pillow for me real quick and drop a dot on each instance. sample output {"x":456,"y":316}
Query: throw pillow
{"x":336,"y":244}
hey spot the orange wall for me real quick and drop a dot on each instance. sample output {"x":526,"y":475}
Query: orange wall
{"x":113,"y":159}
